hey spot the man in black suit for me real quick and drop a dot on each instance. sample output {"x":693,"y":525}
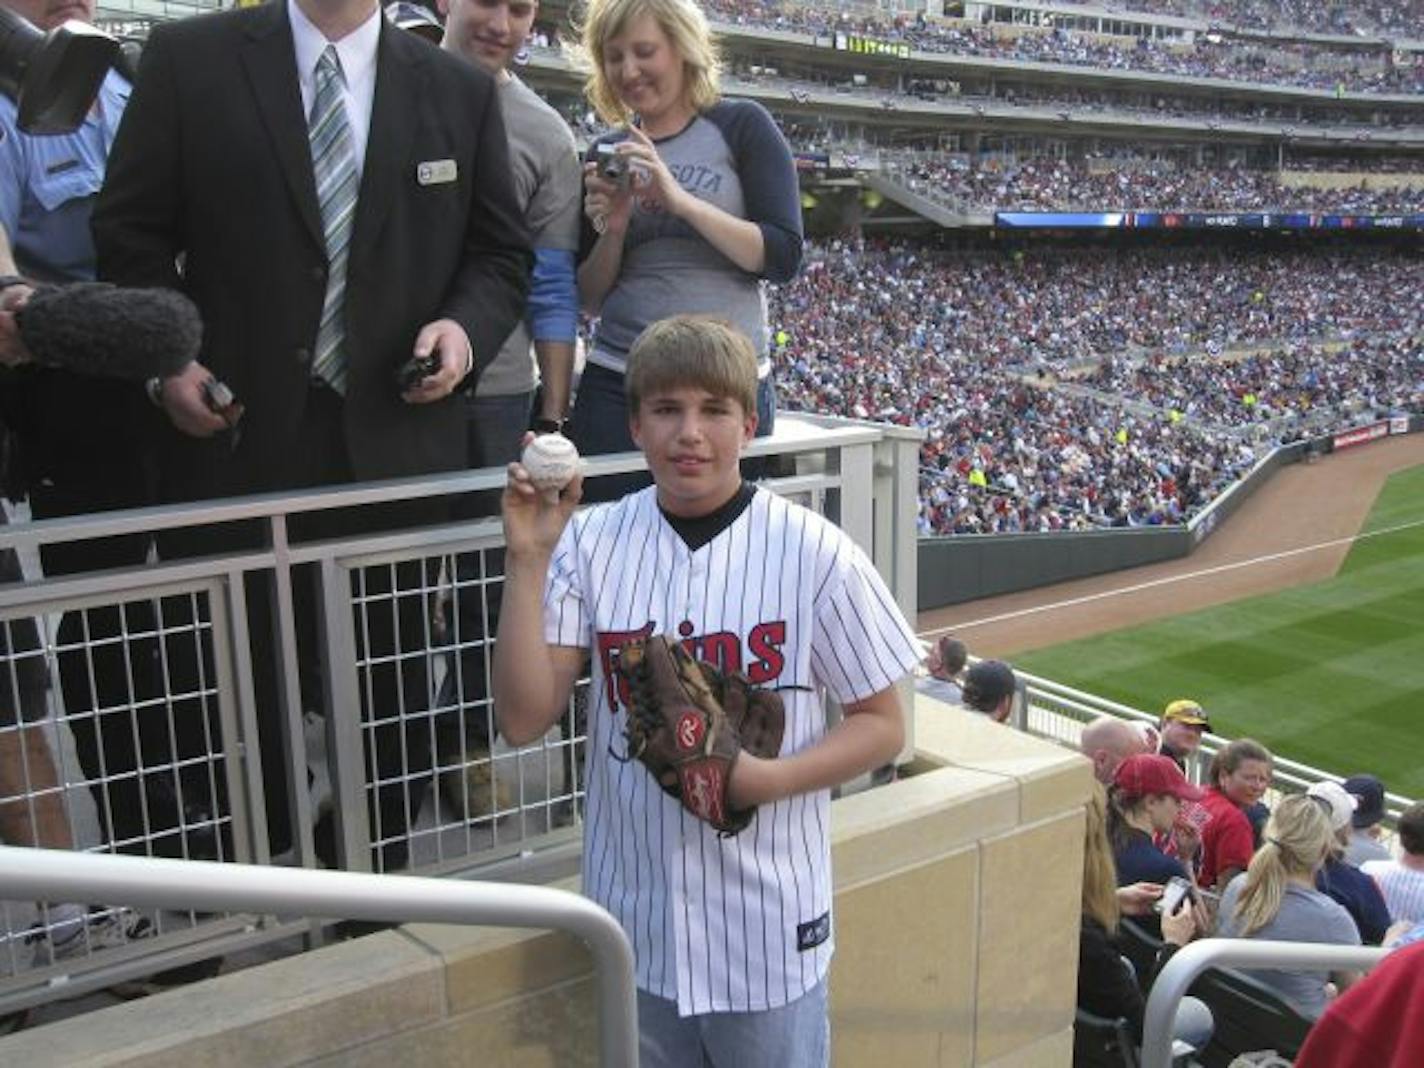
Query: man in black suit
{"x":334,"y":195}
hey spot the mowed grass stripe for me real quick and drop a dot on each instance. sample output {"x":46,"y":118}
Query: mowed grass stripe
{"x":1330,"y":674}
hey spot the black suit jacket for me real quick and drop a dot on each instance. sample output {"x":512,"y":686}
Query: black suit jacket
{"x":210,"y":190}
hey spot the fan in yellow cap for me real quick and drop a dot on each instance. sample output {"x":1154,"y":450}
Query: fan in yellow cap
{"x":1183,"y":723}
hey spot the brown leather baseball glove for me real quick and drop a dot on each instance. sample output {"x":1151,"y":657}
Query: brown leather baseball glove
{"x":688,"y":722}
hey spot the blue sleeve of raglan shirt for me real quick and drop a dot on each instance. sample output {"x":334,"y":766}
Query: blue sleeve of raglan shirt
{"x":553,"y":296}
{"x":770,"y":189}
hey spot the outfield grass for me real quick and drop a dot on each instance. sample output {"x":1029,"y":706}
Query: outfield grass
{"x":1330,"y":674}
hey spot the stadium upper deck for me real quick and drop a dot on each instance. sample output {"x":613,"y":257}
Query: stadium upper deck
{"x":798,"y":65}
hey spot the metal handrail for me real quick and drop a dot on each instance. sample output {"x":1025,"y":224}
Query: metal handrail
{"x":1190,"y":961}
{"x":802,"y":433}
{"x":58,"y":875}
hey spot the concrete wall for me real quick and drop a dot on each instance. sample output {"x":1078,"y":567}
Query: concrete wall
{"x":957,"y":899}
{"x":965,"y":567}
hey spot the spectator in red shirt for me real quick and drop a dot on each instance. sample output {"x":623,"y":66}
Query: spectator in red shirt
{"x":1239,"y":777}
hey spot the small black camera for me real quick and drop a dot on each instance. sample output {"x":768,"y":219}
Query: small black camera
{"x":418,"y":368}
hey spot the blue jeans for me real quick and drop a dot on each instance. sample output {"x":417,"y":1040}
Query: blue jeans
{"x":599,"y":426}
{"x":1193,"y":1023}
{"x":797,"y":1035}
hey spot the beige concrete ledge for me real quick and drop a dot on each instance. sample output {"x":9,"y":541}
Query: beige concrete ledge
{"x":288,"y":1012}
{"x":957,"y":894}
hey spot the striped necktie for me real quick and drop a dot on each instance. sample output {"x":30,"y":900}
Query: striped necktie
{"x":334,"y":167}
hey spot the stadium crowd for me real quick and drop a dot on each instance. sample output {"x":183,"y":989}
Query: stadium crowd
{"x":1376,"y":373}
{"x":1358,"y":17}
{"x":966,"y":347}
{"x":1042,"y":183}
{"x":1279,"y":63}
{"x":1054,"y":306}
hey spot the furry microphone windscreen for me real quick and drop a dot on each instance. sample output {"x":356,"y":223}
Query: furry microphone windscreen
{"x":98,"y":329}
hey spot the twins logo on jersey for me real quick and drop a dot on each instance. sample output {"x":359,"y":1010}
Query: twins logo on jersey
{"x":723,"y":649}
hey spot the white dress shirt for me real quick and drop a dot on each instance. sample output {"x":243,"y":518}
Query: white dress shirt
{"x":357,"y":52}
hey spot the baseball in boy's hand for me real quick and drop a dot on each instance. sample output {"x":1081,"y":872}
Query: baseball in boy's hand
{"x":550,"y":460}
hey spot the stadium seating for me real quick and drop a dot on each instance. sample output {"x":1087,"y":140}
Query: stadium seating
{"x":1248,"y":1016}
{"x":1140,"y":941}
{"x":1099,"y":1042}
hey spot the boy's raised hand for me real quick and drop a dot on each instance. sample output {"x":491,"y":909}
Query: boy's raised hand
{"x":534,"y":519}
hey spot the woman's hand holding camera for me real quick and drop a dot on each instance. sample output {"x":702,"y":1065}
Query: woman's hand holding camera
{"x":655,"y":183}
{"x":608,"y":193}
{"x":622,"y":170}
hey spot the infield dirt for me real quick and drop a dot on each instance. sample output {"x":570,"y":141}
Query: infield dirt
{"x":1315,"y":507}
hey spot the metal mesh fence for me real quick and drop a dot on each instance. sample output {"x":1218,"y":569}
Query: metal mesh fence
{"x":323,"y":701}
{"x":109,"y":741}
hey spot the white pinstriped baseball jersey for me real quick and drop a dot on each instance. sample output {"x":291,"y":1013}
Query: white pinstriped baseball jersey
{"x":720,"y":924}
{"x":1403,"y":888}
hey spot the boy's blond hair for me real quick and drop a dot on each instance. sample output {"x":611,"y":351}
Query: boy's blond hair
{"x":686,"y":27}
{"x":692,"y":350}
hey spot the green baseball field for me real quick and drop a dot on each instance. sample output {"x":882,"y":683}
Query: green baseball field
{"x":1330,"y":674}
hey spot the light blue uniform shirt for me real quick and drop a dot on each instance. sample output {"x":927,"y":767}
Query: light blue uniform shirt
{"x":48,"y":184}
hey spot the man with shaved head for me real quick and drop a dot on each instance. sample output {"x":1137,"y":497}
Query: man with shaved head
{"x":1107,"y":742}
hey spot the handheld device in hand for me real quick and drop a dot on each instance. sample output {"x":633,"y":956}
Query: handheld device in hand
{"x":221,"y":401}
{"x":611,"y":166}
{"x":1176,"y":891}
{"x":410,"y":373}
{"x":217,"y":396}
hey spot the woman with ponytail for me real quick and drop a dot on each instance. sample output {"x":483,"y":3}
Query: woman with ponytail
{"x":1276,"y":900}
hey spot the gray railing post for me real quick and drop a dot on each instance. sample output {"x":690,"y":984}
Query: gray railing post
{"x":1190,"y":961}
{"x":59,"y":875}
{"x":857,"y":490}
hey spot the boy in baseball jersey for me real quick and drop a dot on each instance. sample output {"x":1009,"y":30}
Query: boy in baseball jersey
{"x":732,"y":935}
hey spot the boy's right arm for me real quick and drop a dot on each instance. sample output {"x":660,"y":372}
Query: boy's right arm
{"x":533,"y":680}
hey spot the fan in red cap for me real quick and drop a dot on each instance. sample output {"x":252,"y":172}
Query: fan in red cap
{"x":1149,"y":793}
{"x":1150,"y":774}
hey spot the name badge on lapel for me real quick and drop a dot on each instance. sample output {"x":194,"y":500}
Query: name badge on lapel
{"x":436,"y":172}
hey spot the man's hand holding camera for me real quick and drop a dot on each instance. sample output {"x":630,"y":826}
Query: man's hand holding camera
{"x":444,"y":355}
{"x":196,"y":402}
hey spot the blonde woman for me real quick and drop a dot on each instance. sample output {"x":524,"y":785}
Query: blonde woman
{"x":1276,"y":900}
{"x":1106,"y":984}
{"x":691,"y":204}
